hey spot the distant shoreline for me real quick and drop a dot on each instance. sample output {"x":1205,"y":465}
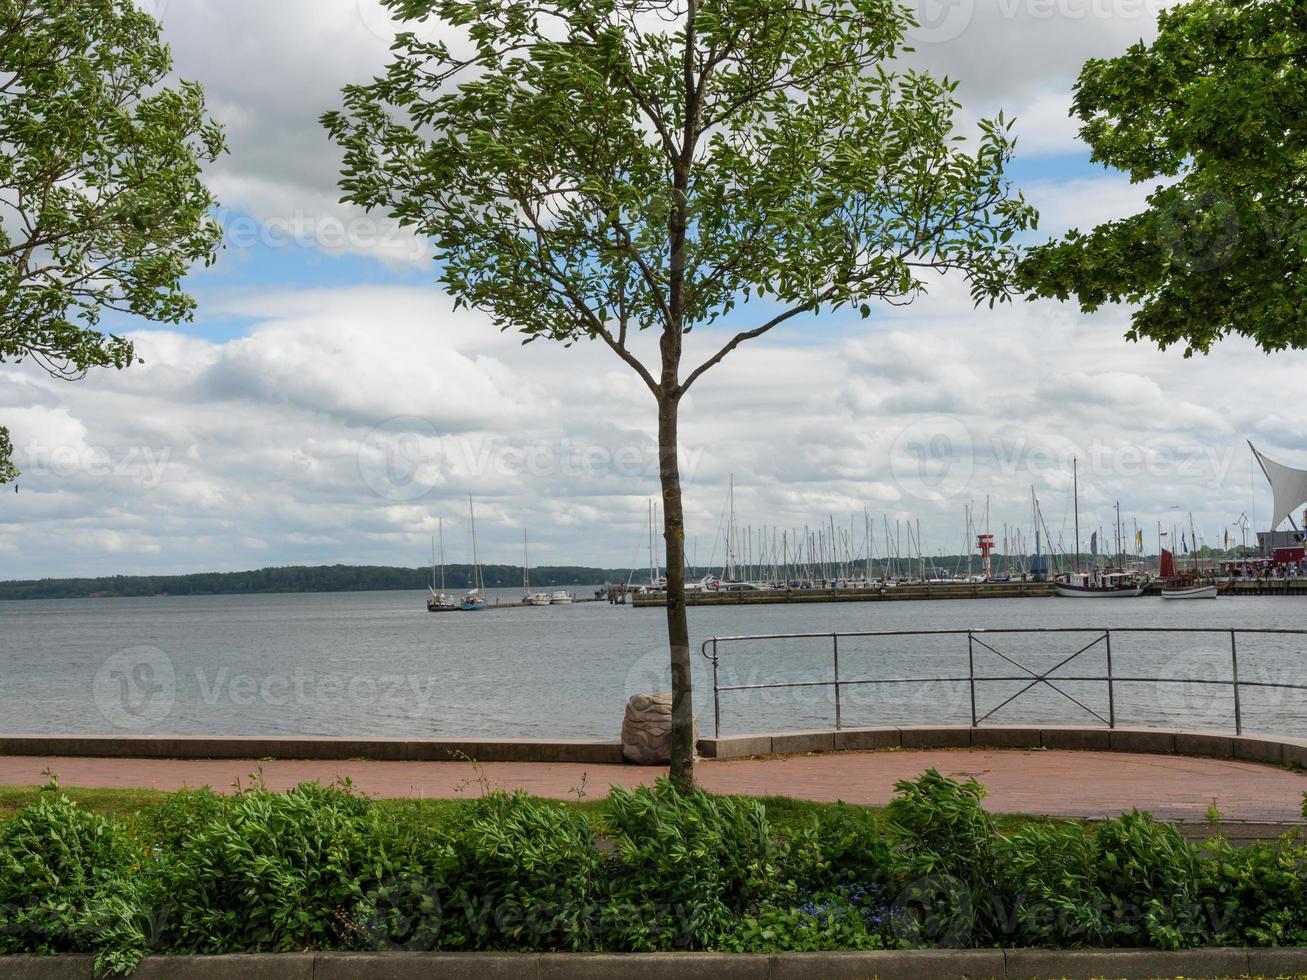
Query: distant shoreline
{"x":292,"y":579}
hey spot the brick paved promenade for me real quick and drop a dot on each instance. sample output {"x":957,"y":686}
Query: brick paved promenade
{"x":1057,"y":783}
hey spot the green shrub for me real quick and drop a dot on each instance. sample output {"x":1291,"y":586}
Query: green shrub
{"x":167,"y":826}
{"x":848,"y":917}
{"x":70,"y":881}
{"x":1149,"y":875}
{"x":319,"y":867}
{"x":684,"y":867}
{"x":831,"y":890}
{"x":841,"y":845}
{"x":1048,"y":892}
{"x":1255,"y":895}
{"x":943,"y":848}
{"x":522,"y":873}
{"x":276,"y":871}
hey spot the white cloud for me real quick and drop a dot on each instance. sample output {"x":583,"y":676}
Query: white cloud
{"x":1085,"y":202}
{"x":257,"y":449}
{"x":343,"y":422}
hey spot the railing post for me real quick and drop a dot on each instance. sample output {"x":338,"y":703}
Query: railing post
{"x":1234,"y":662}
{"x":971,"y":673}
{"x":1111,"y":697}
{"x":835,"y":653}
{"x":716,"y":695}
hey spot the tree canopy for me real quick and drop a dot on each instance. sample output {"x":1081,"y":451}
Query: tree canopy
{"x":589,"y":169}
{"x":101,"y":204}
{"x":1215,"y":112}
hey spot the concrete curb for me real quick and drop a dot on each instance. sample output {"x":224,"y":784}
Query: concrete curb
{"x":1270,"y":749}
{"x":1274,"y":750}
{"x":260,"y":747}
{"x":924,"y":964}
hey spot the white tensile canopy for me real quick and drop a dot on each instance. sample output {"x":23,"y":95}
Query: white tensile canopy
{"x":1288,"y":486}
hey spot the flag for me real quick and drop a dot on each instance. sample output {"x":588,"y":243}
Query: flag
{"x":1227,"y":539}
{"x":1093,"y":543}
{"x":1184,"y":544}
{"x":1139,"y":541}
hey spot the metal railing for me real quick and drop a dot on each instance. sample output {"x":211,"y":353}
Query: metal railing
{"x":711,"y":649}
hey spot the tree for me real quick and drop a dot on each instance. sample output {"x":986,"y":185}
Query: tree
{"x":1215,"y":110}
{"x":595,"y":168}
{"x":101,"y":204}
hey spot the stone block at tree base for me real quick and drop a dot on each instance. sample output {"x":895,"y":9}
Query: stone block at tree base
{"x":647,"y":730}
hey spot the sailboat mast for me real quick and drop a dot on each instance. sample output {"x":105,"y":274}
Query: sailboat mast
{"x":1120,"y":556}
{"x":476,"y":557}
{"x":1075,"y":495}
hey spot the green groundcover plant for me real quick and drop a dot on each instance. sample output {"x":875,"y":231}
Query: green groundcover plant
{"x":657,"y":868}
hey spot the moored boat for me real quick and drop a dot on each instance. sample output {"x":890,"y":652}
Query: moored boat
{"x":1100,"y":585}
{"x":439,"y":601}
{"x":1190,"y":585}
{"x":1194,"y":590}
{"x":474,"y":598}
{"x":561,"y":598}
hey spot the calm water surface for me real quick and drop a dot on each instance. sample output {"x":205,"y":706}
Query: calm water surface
{"x":378,"y":664}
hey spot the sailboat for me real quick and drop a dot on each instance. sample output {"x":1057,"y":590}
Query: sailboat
{"x":439,"y":601}
{"x":1188,"y":586}
{"x":1105,"y":583}
{"x":474,"y":599}
{"x":530,"y":598}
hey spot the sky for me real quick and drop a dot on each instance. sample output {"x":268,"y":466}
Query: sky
{"x":328,"y":405}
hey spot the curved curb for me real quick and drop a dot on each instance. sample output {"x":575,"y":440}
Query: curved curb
{"x":1276,"y":750}
{"x":1271,"y":749}
{"x":273,"y":747}
{"x":927,"y":964}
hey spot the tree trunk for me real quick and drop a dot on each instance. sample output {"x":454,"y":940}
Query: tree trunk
{"x":678,"y":628}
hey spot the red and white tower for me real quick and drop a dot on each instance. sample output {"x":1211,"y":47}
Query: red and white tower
{"x":985,"y":544}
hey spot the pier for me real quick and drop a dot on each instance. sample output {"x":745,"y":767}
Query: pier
{"x":942,"y":590}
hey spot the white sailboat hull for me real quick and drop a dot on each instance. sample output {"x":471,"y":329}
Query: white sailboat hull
{"x":1191,"y":592}
{"x":1080,"y":592}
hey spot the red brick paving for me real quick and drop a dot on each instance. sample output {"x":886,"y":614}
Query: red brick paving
{"x":1053,"y":782}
